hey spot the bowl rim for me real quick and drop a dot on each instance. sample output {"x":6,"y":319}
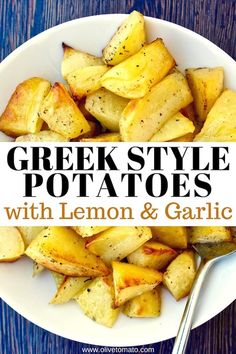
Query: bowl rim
{"x":45,"y":33}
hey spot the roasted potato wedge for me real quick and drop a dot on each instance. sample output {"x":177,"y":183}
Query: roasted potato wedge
{"x":106,"y":107}
{"x":74,"y":59}
{"x":173,"y":236}
{"x":68,"y":289}
{"x":86,"y":80}
{"x":206,"y":85}
{"x":42,"y":136}
{"x":147,"y":304}
{"x":118,"y":242}
{"x":61,"y":114}
{"x":21,"y":115}
{"x":220,"y":122}
{"x":206,"y":234}
{"x":142,"y":118}
{"x":134,"y":77}
{"x":173,"y":128}
{"x":131,"y":280}
{"x":152,"y":255}
{"x":179,"y":276}
{"x":29,"y":233}
{"x":87,"y":231}
{"x":11,"y":244}
{"x":62,"y":250}
{"x":128,"y":40}
{"x":97,"y":301}
{"x":58,"y":278}
{"x":106,"y":137}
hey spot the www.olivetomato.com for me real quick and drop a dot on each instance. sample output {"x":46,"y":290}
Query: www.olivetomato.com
{"x":118,"y":350}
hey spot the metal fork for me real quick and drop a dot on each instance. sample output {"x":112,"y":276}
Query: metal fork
{"x":210,"y":254}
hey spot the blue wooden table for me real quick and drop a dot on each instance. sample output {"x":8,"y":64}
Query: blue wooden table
{"x":21,"y":20}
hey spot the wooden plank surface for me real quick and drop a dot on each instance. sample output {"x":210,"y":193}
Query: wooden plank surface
{"x":23,"y":19}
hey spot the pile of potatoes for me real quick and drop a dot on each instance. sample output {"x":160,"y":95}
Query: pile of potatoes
{"x":112,"y":269}
{"x":134,"y":92}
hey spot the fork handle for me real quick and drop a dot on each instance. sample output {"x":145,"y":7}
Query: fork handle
{"x":187,"y":319}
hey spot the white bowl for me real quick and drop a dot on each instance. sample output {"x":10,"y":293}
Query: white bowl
{"x":41,"y":56}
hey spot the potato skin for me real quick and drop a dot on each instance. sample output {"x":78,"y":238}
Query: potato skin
{"x":128,"y":40}
{"x":21,"y":116}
